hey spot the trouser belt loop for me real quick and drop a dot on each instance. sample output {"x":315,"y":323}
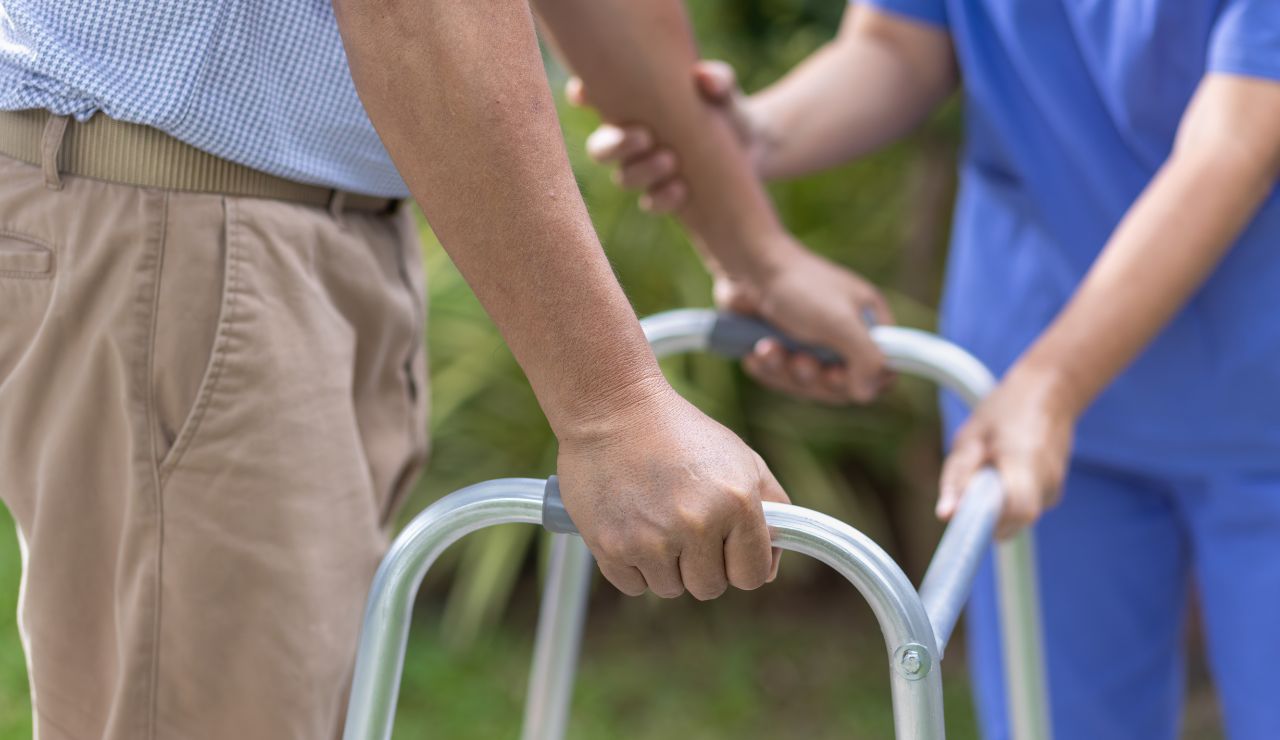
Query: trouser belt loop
{"x":337,"y":201}
{"x":50,"y":144}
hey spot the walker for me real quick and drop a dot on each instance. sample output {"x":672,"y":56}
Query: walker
{"x":916,"y":624}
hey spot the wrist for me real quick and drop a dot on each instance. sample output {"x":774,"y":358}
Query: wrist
{"x":600,"y":416}
{"x":1053,"y":381}
{"x":757,"y":258}
{"x":762,"y":119}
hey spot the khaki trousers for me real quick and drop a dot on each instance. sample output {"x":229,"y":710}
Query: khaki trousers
{"x":209,"y":409}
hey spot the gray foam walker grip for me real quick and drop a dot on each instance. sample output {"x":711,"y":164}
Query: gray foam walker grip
{"x":735,"y":336}
{"x":554,"y":517}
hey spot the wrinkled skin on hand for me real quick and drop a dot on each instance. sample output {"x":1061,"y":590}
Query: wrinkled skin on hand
{"x":669,"y":500}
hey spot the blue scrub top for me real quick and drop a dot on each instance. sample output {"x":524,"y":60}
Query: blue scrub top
{"x":1070,"y":109}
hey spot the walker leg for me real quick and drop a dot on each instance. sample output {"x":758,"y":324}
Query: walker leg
{"x":1023,"y":648}
{"x":559,"y":640}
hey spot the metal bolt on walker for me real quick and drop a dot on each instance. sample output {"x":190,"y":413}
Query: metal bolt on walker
{"x":913,"y":661}
{"x":916,"y":624}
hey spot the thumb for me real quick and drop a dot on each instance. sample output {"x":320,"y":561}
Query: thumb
{"x":879,"y":309}
{"x":575,"y":92}
{"x":731,"y":296}
{"x":771,"y":490}
{"x":716,"y":81}
{"x":603,"y":143}
{"x":968,"y":454}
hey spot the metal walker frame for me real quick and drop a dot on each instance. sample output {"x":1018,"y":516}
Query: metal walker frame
{"x":916,"y":625}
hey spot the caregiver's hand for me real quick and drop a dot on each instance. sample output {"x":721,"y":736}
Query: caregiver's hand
{"x":819,"y":303}
{"x":646,"y":166}
{"x":1024,"y":428}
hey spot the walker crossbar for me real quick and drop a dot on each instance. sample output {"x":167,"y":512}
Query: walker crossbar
{"x":916,"y":626}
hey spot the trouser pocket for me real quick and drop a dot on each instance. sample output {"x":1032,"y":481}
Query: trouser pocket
{"x":26,"y":287}
{"x":192,"y":305}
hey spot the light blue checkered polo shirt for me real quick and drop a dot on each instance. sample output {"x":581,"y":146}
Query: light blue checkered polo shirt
{"x":261,"y":82}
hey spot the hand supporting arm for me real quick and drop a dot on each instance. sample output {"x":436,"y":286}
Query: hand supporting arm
{"x":880,"y":77}
{"x":636,"y":59}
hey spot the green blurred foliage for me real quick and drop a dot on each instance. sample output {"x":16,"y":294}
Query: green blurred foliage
{"x":885,"y":217}
{"x":678,"y":670}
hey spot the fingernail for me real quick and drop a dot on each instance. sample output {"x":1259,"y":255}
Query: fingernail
{"x":771,"y":362}
{"x":604,"y":139}
{"x":945,"y":499}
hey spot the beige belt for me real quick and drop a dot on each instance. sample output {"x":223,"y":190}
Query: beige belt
{"x":106,"y":149}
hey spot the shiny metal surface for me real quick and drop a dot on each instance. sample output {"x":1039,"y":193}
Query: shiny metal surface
{"x":1023,"y":643}
{"x":946,"y":584}
{"x":680,"y":331}
{"x":917,"y":699}
{"x":385,"y":632}
{"x":559,"y":639}
{"x":931,"y":357}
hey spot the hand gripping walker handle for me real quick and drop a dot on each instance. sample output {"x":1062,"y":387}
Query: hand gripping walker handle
{"x":731,"y":335}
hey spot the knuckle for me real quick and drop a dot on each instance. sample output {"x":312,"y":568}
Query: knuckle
{"x":608,"y":550}
{"x":695,"y":522}
{"x":648,"y":547}
{"x":741,"y":500}
{"x":624,"y":550}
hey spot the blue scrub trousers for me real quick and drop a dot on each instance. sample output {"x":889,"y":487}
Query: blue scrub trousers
{"x":1117,"y":560}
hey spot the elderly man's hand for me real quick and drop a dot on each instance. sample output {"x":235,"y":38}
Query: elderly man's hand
{"x":668,"y":500}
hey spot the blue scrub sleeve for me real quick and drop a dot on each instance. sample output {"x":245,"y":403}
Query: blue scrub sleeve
{"x":932,"y":12}
{"x":1246,"y":39}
